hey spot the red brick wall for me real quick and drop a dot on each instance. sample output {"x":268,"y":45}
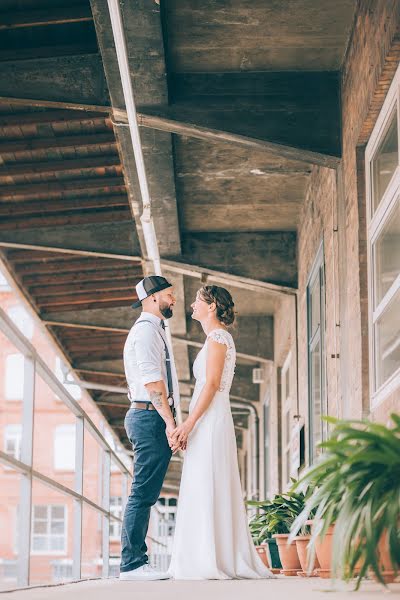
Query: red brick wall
{"x":338,"y":199}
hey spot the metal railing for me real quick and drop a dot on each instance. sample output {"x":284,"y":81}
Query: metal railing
{"x":35,"y":365}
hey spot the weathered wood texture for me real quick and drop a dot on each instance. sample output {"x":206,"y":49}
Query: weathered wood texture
{"x":268,"y":256}
{"x":253,"y":35}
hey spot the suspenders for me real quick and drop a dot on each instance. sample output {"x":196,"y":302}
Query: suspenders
{"x":167,"y":363}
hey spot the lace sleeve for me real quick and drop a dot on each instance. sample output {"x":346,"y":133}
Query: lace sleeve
{"x":220,"y":336}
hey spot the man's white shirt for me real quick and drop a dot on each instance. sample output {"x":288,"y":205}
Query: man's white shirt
{"x":145,"y":358}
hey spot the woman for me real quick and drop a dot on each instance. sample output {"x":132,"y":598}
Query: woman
{"x":212,"y":539}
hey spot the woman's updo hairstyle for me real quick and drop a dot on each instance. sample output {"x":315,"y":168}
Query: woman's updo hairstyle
{"x":223,"y":302}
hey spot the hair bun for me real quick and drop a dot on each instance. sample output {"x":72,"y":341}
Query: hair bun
{"x":223,"y":302}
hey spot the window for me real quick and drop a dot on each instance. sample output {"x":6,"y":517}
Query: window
{"x":49,"y":529}
{"x":115,"y":509}
{"x":14,"y":377}
{"x":62,"y":374}
{"x":22,"y":320}
{"x":64,"y":448}
{"x":316,"y":355}
{"x":383,"y":218}
{"x":286,"y":421}
{"x":118,"y":450}
{"x":4,"y":285}
{"x":12,"y":440}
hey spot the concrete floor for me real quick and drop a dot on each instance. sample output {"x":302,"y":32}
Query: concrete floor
{"x":284,"y":588}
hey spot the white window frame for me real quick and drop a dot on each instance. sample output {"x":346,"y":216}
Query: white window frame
{"x":375,"y":224}
{"x":48,"y":534}
{"x":286,"y":408}
{"x":317,"y":272}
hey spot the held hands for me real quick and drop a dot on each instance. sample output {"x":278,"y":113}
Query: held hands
{"x":178,"y":437}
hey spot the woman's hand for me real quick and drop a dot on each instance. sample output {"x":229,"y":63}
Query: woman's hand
{"x":181,"y":433}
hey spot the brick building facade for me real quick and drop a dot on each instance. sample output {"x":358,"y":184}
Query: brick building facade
{"x":334,"y":230}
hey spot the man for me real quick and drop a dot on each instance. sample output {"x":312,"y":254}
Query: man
{"x":150,"y":421}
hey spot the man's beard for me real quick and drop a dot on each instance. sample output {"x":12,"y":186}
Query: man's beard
{"x":166,"y":311}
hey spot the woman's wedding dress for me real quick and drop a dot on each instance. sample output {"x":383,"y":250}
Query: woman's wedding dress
{"x":212,"y":538}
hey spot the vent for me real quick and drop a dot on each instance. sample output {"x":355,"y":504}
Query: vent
{"x":258,"y":376}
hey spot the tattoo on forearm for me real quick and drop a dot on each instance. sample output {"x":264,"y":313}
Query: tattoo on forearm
{"x":156,"y":399}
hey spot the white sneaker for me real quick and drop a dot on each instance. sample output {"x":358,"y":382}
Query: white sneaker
{"x":144,"y":573}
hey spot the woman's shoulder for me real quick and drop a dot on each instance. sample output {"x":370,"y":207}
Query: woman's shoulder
{"x":221,"y":336}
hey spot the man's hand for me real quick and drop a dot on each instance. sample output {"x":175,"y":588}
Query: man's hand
{"x":169,"y":432}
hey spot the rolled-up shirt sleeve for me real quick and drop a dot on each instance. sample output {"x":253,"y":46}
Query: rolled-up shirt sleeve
{"x":149,"y":353}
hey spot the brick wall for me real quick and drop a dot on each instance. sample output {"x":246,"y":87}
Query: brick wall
{"x":335,"y":211}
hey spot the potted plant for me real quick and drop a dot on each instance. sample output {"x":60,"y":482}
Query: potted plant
{"x":280,"y":514}
{"x":356,"y":499}
{"x":266,"y":545}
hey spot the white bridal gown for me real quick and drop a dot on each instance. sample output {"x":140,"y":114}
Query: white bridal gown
{"x":212,"y":538}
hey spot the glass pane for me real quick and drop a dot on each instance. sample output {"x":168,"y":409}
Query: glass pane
{"x":53,"y":548}
{"x":39,"y":526}
{"x":387,"y":331}
{"x":91,"y":542}
{"x":387,"y":255}
{"x":316,"y":395}
{"x":54,"y":451}
{"x":385,"y":162}
{"x":9,"y":502}
{"x":315,"y":308}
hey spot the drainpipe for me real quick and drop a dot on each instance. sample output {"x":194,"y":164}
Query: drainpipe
{"x":146,"y":218}
{"x":255,"y":444}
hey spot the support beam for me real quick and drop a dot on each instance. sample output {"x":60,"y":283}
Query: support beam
{"x":89,"y":253}
{"x":58,"y":166}
{"x":56,"y":143}
{"x":201,"y":273}
{"x":164,"y":122}
{"x":30,"y":191}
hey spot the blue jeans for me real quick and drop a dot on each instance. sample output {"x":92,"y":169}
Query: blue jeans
{"x":152,"y":454}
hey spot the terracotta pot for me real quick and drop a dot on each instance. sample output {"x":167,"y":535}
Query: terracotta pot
{"x":385,"y":564}
{"x":262,"y":554}
{"x":323,"y":548}
{"x":301,"y":545}
{"x":287,"y":554}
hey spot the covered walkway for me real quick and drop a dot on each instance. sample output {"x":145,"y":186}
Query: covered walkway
{"x":279,"y":589}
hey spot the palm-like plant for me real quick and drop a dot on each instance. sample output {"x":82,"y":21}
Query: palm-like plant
{"x":277,"y":515}
{"x":356,"y":487}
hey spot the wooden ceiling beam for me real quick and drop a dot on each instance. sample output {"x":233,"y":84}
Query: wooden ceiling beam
{"x":44,"y":301}
{"x":121,"y":213}
{"x":79,"y":326}
{"x":88,"y":306}
{"x":55,"y":143}
{"x":53,"y":116}
{"x":110,"y":284}
{"x":94,"y":254}
{"x":50,"y":206}
{"x":30,"y":190}
{"x":170,"y":123}
{"x":75,"y":265}
{"x":57,"y":166}
{"x":33,"y":281}
{"x":73,"y":49}
{"x":40,"y":17}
